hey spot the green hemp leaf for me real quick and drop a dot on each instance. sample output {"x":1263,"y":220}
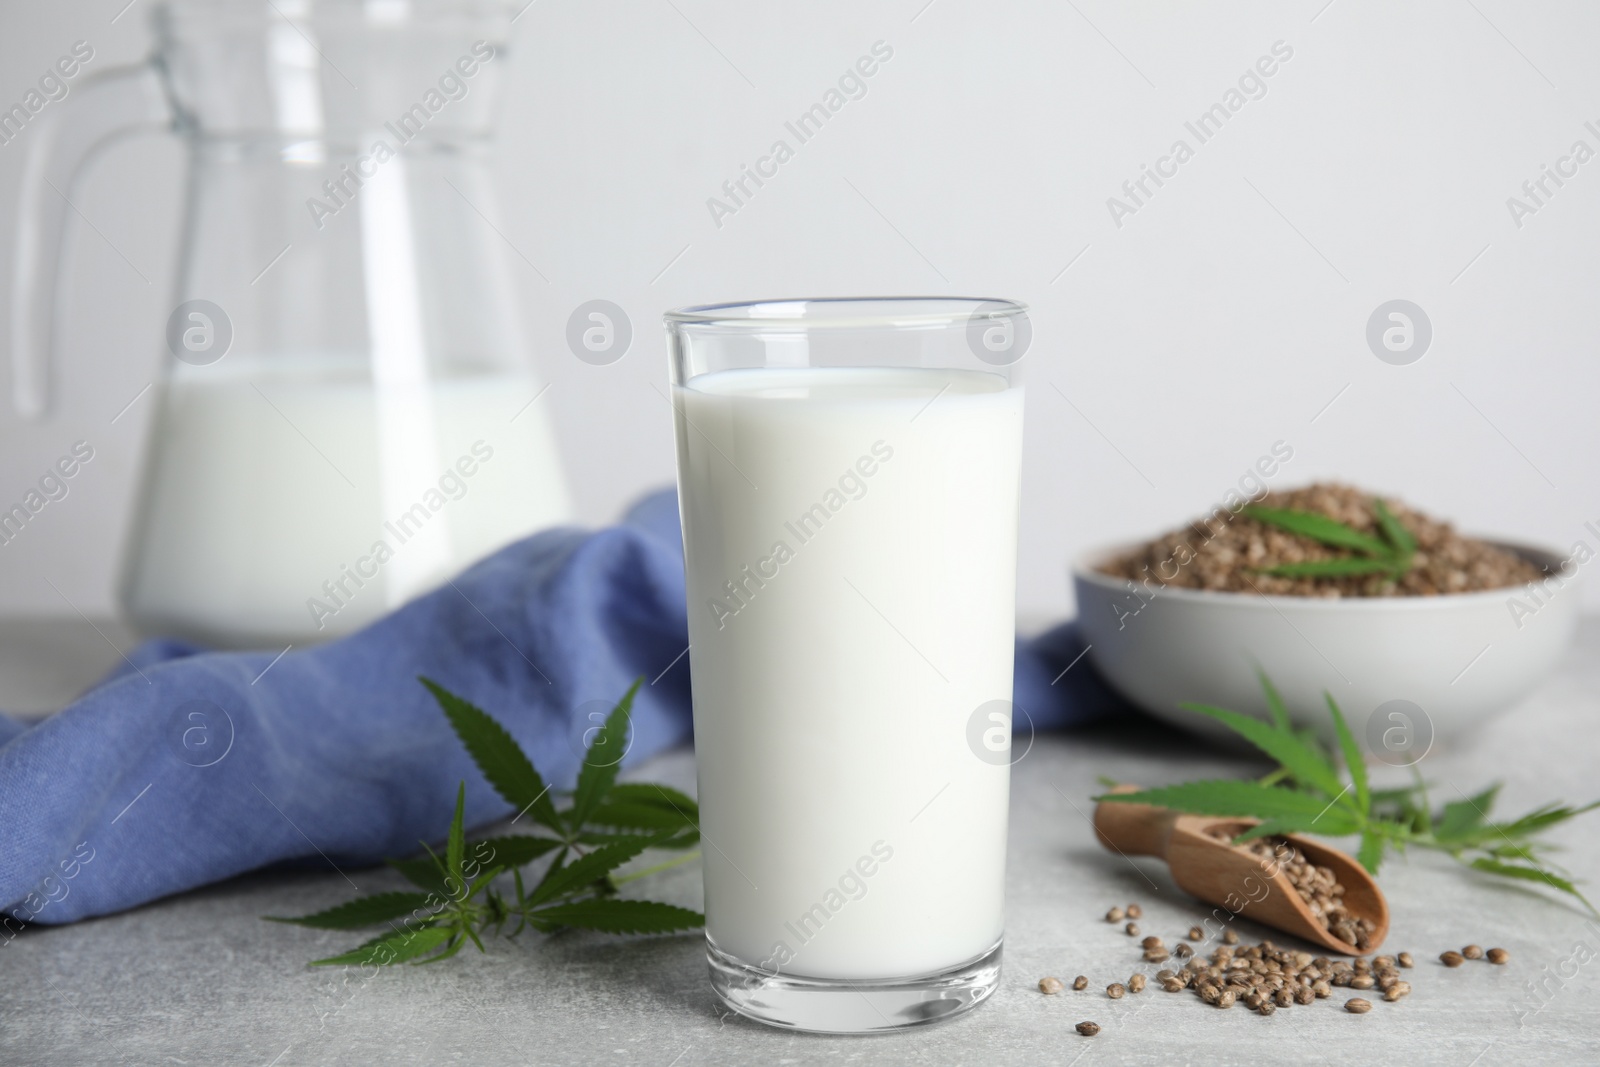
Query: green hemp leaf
{"x":1391,"y":555}
{"x":1308,"y":794}
{"x":461,"y":895}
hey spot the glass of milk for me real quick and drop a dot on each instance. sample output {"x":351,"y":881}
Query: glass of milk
{"x":848,"y":474}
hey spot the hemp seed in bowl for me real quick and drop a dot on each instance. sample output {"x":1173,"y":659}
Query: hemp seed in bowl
{"x":1233,"y":553}
{"x":1192,"y":616}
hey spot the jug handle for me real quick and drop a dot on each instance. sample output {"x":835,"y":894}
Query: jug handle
{"x":99,"y":110}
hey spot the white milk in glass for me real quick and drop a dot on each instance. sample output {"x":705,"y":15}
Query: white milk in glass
{"x":273,"y":482}
{"x":851,"y":550}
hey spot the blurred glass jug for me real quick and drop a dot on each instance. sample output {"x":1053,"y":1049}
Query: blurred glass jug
{"x":346,"y":418}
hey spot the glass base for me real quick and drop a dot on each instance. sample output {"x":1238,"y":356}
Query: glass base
{"x":852,"y":1006}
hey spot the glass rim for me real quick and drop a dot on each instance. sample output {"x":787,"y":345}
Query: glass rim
{"x":848,"y":313}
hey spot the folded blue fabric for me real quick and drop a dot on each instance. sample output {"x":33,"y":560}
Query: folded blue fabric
{"x":187,"y":766}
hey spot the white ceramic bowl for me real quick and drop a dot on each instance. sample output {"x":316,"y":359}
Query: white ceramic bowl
{"x":1404,"y":670}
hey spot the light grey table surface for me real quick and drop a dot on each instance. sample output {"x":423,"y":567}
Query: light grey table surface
{"x":199,"y":979}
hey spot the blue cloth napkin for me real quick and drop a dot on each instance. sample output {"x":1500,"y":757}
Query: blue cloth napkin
{"x":187,"y":766}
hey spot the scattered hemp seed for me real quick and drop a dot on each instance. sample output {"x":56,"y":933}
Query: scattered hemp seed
{"x":1088,"y":1029}
{"x":1473,"y":952}
{"x":1132,"y":929}
{"x":1265,"y":978}
{"x":1357,"y":1006}
{"x":1451,"y":959}
{"x":1196,"y":934}
{"x":1050,"y":986}
{"x":1498,"y":955}
{"x":1134,"y":911}
{"x":1156,"y":955}
{"x":1182,"y":951}
{"x":1114,"y":915}
{"x":1230,"y":937}
{"x":1151,"y":942}
{"x":1404,"y":960}
{"x":1116,"y":990}
{"x":1080,"y":982}
{"x":1136,"y":984}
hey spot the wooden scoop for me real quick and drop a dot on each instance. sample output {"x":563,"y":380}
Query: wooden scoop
{"x":1231,"y":877}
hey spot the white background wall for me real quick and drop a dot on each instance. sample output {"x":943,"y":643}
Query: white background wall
{"x":1171,"y":353}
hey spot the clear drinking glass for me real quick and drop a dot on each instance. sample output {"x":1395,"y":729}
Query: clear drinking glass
{"x":848,"y":475}
{"x":344,"y":421}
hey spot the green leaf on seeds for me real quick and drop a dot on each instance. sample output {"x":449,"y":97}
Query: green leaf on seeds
{"x":1391,"y":555}
{"x":1329,"y":568}
{"x":499,"y":757}
{"x":1328,"y":531}
{"x":1397,"y":535}
{"x":616,"y":916}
